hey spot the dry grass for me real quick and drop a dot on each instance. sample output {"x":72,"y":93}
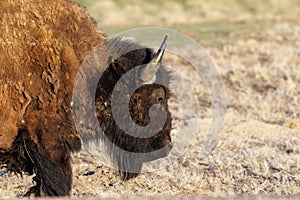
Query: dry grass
{"x":170,"y":12}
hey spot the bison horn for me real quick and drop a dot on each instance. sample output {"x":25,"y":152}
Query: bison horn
{"x":148,"y":73}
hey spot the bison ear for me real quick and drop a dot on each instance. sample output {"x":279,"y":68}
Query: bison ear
{"x":147,"y":74}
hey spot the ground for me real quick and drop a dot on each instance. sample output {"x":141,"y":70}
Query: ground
{"x":258,"y":151}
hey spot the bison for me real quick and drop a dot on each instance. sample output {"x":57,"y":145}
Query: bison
{"x":42,"y":45}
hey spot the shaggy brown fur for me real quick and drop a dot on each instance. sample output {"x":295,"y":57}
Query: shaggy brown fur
{"x":42,"y":44}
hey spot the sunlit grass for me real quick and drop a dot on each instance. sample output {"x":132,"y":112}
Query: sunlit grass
{"x":186,"y":11}
{"x":202,"y":20}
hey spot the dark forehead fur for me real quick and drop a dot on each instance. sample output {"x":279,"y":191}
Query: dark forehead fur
{"x":118,"y":45}
{"x":123,"y":55}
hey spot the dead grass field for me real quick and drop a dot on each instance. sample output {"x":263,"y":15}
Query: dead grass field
{"x":256,"y":49}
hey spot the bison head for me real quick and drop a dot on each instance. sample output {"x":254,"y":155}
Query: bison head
{"x":139,"y":101}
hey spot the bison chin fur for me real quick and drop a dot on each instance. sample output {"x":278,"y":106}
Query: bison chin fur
{"x":131,"y":165}
{"x":128,"y":163}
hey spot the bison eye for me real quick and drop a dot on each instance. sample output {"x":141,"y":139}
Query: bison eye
{"x":159,"y":99}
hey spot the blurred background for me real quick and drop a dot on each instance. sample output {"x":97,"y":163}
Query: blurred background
{"x":201,"y":18}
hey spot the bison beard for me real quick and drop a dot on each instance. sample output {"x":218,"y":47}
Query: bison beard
{"x":41,"y":51}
